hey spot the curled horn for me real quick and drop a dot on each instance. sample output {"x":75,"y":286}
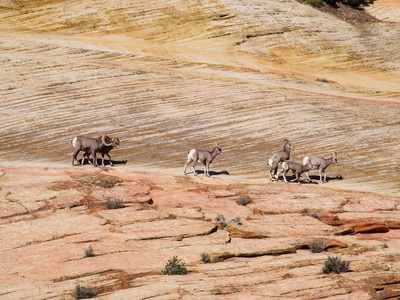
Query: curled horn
{"x":335,"y":154}
{"x":286,"y":140}
{"x":103,"y":140}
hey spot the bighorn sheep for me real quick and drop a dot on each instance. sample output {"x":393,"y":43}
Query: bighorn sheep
{"x":295,"y":167}
{"x":279,"y":157}
{"x":320,"y":163}
{"x":205,"y":157}
{"x":103,"y":145}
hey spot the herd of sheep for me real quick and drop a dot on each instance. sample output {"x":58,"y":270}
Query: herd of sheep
{"x":104,"y":144}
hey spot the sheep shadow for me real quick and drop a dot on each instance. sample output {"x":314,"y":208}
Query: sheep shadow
{"x":212,"y":173}
{"x":314,"y":179}
{"x":106,"y":162}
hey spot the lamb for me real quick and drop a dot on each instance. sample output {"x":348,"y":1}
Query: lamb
{"x":103,"y":145}
{"x":296,"y":167}
{"x":279,"y":157}
{"x":320,"y":163}
{"x":205,"y":157}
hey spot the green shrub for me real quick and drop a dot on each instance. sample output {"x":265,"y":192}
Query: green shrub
{"x":316,"y":2}
{"x":335,"y":265}
{"x":317,"y":246}
{"x":89,"y":252}
{"x":114,"y":203}
{"x":175,"y":267}
{"x":84,"y":292}
{"x":244,"y":200}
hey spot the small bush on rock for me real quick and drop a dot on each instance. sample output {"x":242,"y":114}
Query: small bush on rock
{"x":244,"y":200}
{"x":335,"y":265}
{"x":175,"y":267}
{"x":221,"y":220}
{"x":206,"y":258}
{"x":84,"y":292}
{"x":114,"y":203}
{"x":317,"y":246}
{"x":89,"y":252}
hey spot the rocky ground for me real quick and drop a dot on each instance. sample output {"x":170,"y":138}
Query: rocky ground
{"x":50,"y":216}
{"x":167,"y":76}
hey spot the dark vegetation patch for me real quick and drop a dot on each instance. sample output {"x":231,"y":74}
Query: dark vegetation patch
{"x":84,"y":292}
{"x":175,"y":266}
{"x":335,"y":265}
{"x":348,"y":10}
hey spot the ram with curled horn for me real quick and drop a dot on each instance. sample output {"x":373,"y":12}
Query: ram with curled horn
{"x":320,"y":163}
{"x":204,"y":157}
{"x":91,"y":146}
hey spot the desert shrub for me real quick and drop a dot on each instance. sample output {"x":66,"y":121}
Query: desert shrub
{"x":174,"y":266}
{"x":206,"y":258}
{"x":84,"y":292}
{"x":221,"y":220}
{"x":89,"y":252}
{"x":305,"y":210}
{"x":317,"y":246}
{"x":244,"y":200}
{"x":114,"y":203}
{"x":335,"y":265}
{"x":236,"y":220}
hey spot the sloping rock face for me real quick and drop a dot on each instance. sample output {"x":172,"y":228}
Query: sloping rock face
{"x":51,"y":216}
{"x":386,"y":10}
{"x":169,"y":76}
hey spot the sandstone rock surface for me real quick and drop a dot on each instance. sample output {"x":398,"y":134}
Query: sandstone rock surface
{"x":167,"y":76}
{"x":259,"y":255}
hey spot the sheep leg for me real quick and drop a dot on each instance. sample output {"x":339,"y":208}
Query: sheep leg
{"x":279,"y":173}
{"x":187,"y":163}
{"x":193,"y":167}
{"x":207,"y":168}
{"x":87,"y":154}
{"x":74,"y":156}
{"x":324,"y":176}
{"x":284,"y":175}
{"x":320,"y":176}
{"x":109,"y":158}
{"x":308,"y":177}
{"x":273,"y":170}
{"x":298,"y":178}
{"x":270,"y":170}
{"x":94,"y":159}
